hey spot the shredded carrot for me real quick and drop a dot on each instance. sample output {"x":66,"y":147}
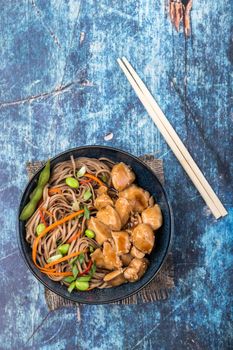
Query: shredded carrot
{"x":74,"y":237}
{"x":42,"y":217}
{"x":49,"y":228}
{"x":57,"y":274}
{"x":47,"y":212}
{"x":85,"y":181}
{"x":93,"y":177}
{"x":55,"y":190}
{"x":67,"y":257}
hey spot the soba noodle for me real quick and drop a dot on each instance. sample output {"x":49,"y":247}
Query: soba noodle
{"x":60,"y":205}
{"x":123,"y":215}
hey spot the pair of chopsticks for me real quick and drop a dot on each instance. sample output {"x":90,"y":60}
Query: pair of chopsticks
{"x":173,"y":140}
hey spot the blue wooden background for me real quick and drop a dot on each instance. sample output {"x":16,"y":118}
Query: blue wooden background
{"x":60,"y":87}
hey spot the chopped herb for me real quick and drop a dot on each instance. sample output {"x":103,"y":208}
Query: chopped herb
{"x":81,"y":258}
{"x":93,"y":269}
{"x":71,"y":287}
{"x":69,"y":279}
{"x":73,"y":260}
{"x":86,"y":212}
{"x":81,"y":171}
{"x":75,"y":271}
{"x":91,"y":249}
{"x":84,"y":278}
{"x":104,"y":178}
{"x":87,"y":195}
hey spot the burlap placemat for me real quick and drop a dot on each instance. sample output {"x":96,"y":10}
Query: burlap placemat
{"x":157,"y":289}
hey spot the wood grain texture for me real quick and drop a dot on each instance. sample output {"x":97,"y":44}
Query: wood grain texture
{"x":60,"y":87}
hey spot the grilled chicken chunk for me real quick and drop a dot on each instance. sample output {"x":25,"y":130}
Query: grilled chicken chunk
{"x":115,"y":278}
{"x":111,"y":256}
{"x":153,"y":217}
{"x":102,"y":201}
{"x":136,"y":269}
{"x":122,"y":242}
{"x":123,"y":208}
{"x":137,"y":197}
{"x":143,"y":238}
{"x":109,"y":217}
{"x":102,"y":232}
{"x":122,"y":176}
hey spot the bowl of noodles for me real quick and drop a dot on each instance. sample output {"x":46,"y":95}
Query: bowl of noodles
{"x":95,"y":225}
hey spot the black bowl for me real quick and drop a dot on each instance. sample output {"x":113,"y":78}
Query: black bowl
{"x":147,"y":180}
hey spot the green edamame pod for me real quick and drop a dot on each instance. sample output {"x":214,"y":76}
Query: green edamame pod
{"x":37,"y":193}
{"x":33,"y":192}
{"x":28,"y":210}
{"x":44,"y":175}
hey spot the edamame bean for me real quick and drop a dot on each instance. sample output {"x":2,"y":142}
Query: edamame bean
{"x":72,"y":182}
{"x":89,"y":233}
{"x":81,"y":285}
{"x":40,"y":228}
{"x":44,"y":175}
{"x":63,"y":249}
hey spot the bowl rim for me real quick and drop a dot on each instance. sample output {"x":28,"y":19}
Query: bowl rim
{"x":115,"y":299}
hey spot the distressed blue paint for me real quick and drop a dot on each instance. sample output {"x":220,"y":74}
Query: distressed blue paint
{"x":74,"y":45}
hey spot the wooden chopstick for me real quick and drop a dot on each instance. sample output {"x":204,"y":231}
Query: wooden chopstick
{"x":173,"y":140}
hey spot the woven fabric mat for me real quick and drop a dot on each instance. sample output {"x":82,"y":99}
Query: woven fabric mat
{"x":157,"y":289}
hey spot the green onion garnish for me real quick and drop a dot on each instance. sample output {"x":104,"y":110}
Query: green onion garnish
{"x":93,"y":269}
{"x":72,"y":286}
{"x":69,"y":279}
{"x":75,"y":271}
{"x":81,"y":171}
{"x":54,"y":258}
{"x":81,"y":258}
{"x":86,"y":212}
{"x":87,"y":195}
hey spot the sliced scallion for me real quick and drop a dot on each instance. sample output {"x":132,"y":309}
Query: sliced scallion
{"x":81,"y":171}
{"x":87,"y":195}
{"x":54,"y":258}
{"x":69,"y":279}
{"x":84,"y":278}
{"x":72,"y":286}
{"x":81,"y":258}
{"x":86,"y":212}
{"x":75,"y":271}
